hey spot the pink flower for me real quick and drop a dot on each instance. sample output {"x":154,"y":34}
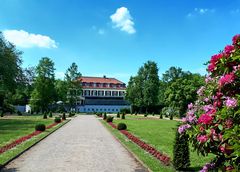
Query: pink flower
{"x":236,"y":39}
{"x":208,"y":79}
{"x":226,"y":79}
{"x":215,"y":58}
{"x":201,"y":90}
{"x":231,"y":102}
{"x":202,"y":138}
{"x":228,"y":50}
{"x":190,"y":106}
{"x":205,"y":119}
{"x":211,"y":67}
{"x":229,"y":123}
{"x":183,"y":128}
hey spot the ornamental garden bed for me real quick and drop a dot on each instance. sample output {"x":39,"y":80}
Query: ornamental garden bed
{"x":18,"y":134}
{"x":160,"y":134}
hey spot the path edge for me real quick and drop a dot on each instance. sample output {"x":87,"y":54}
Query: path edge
{"x":6,"y":163}
{"x":131,"y":152}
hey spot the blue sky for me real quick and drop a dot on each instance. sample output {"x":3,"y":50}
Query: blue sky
{"x":115,"y":37}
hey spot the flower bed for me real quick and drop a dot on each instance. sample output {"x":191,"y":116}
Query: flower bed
{"x":23,"y":139}
{"x":161,"y":157}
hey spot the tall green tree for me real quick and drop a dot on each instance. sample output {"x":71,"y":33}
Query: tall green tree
{"x":61,"y":88}
{"x":10,"y":69}
{"x":72,"y":77}
{"x":44,"y":92}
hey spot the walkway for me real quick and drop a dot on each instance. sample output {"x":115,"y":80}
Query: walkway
{"x":82,"y":145}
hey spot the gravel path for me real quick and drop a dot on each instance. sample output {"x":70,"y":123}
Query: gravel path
{"x":82,"y":145}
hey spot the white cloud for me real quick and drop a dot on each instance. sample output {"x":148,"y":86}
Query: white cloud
{"x":123,"y":20}
{"x":24,"y":39}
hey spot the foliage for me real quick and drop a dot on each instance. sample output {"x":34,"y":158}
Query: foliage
{"x":71,"y":114}
{"x":118,"y":115}
{"x":125,"y":110}
{"x":73,"y":82}
{"x":61,"y":88}
{"x":121,"y":126}
{"x":45,"y":115}
{"x":181,"y":155}
{"x":171,"y":117}
{"x":44,"y":91}
{"x":50,"y":114}
{"x":57,"y":119}
{"x":40,"y":127}
{"x":109,"y":118}
{"x":64,"y":116}
{"x":145,"y":115}
{"x":104,"y":116}
{"x":142,"y":90}
{"x":123,"y":116}
{"x":212,"y":122}
{"x":19,"y":113}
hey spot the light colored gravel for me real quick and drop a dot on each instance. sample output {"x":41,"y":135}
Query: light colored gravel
{"x":82,"y":145}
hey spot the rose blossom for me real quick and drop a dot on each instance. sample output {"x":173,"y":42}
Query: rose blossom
{"x":231,"y":102}
{"x":236,"y":39}
{"x":202,"y":138}
{"x":205,"y":119}
{"x":226,"y":79}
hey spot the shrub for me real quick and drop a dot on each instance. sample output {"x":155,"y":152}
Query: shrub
{"x":2,"y":114}
{"x":109,"y":119}
{"x":19,"y":113}
{"x":64,"y":116}
{"x":40,"y":127}
{"x":125,"y":110}
{"x":118,"y":115}
{"x":105,"y":116}
{"x":45,"y":116}
{"x":145,"y":115}
{"x":123,"y":116}
{"x":181,"y":157}
{"x":161,"y":116}
{"x":121,"y":126}
{"x":212,"y":122}
{"x":50,"y":115}
{"x":171,"y":117}
{"x":57,"y":119}
{"x":71,"y":114}
{"x":135,"y":113}
{"x":153,"y":114}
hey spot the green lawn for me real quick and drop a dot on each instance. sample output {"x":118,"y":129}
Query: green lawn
{"x":14,"y":127}
{"x":160,"y":134}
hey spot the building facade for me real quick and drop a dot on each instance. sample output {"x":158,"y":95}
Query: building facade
{"x":102,"y":94}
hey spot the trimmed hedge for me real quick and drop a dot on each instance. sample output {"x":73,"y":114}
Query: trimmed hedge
{"x":40,"y":127}
{"x":64,"y":116}
{"x":121,"y":126}
{"x":57,"y":119}
{"x":45,"y":116}
{"x":109,"y":118}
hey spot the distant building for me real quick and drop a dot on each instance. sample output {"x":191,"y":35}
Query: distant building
{"x":102,"y":94}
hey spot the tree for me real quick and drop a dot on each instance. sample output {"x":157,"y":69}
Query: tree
{"x":61,"y":90}
{"x":172,"y":74}
{"x":72,"y":77}
{"x":44,"y":92}
{"x":180,"y":92}
{"x":10,"y":68}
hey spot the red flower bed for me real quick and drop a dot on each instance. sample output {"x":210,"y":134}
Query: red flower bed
{"x":22,"y":139}
{"x":161,"y":157}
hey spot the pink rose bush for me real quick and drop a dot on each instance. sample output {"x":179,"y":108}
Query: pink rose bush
{"x":212,"y":122}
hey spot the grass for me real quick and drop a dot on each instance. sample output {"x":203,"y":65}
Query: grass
{"x":14,"y":127}
{"x":6,"y":156}
{"x":161,"y":134}
{"x":151,"y":162}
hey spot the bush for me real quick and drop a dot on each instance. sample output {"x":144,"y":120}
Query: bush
{"x":2,"y":114}
{"x":105,"y":116}
{"x":40,"y":127}
{"x":125,"y":110}
{"x":57,"y":119}
{"x":109,"y":119}
{"x":153,"y":114}
{"x":135,"y":113}
{"x":123,"y":116}
{"x":121,"y":126}
{"x":145,"y":115}
{"x":118,"y":115}
{"x":45,"y":116}
{"x":161,"y":116}
{"x":181,"y":157}
{"x":171,"y":117}
{"x":63,"y":116}
{"x":19,"y":113}
{"x":71,"y":114}
{"x":50,"y":115}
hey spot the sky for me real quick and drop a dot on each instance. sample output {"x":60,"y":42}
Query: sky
{"x":116,"y":37}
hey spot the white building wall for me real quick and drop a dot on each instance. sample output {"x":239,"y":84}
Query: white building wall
{"x":101,"y":108}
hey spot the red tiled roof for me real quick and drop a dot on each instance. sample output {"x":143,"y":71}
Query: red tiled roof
{"x":105,"y":88}
{"x":100,"y":80}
